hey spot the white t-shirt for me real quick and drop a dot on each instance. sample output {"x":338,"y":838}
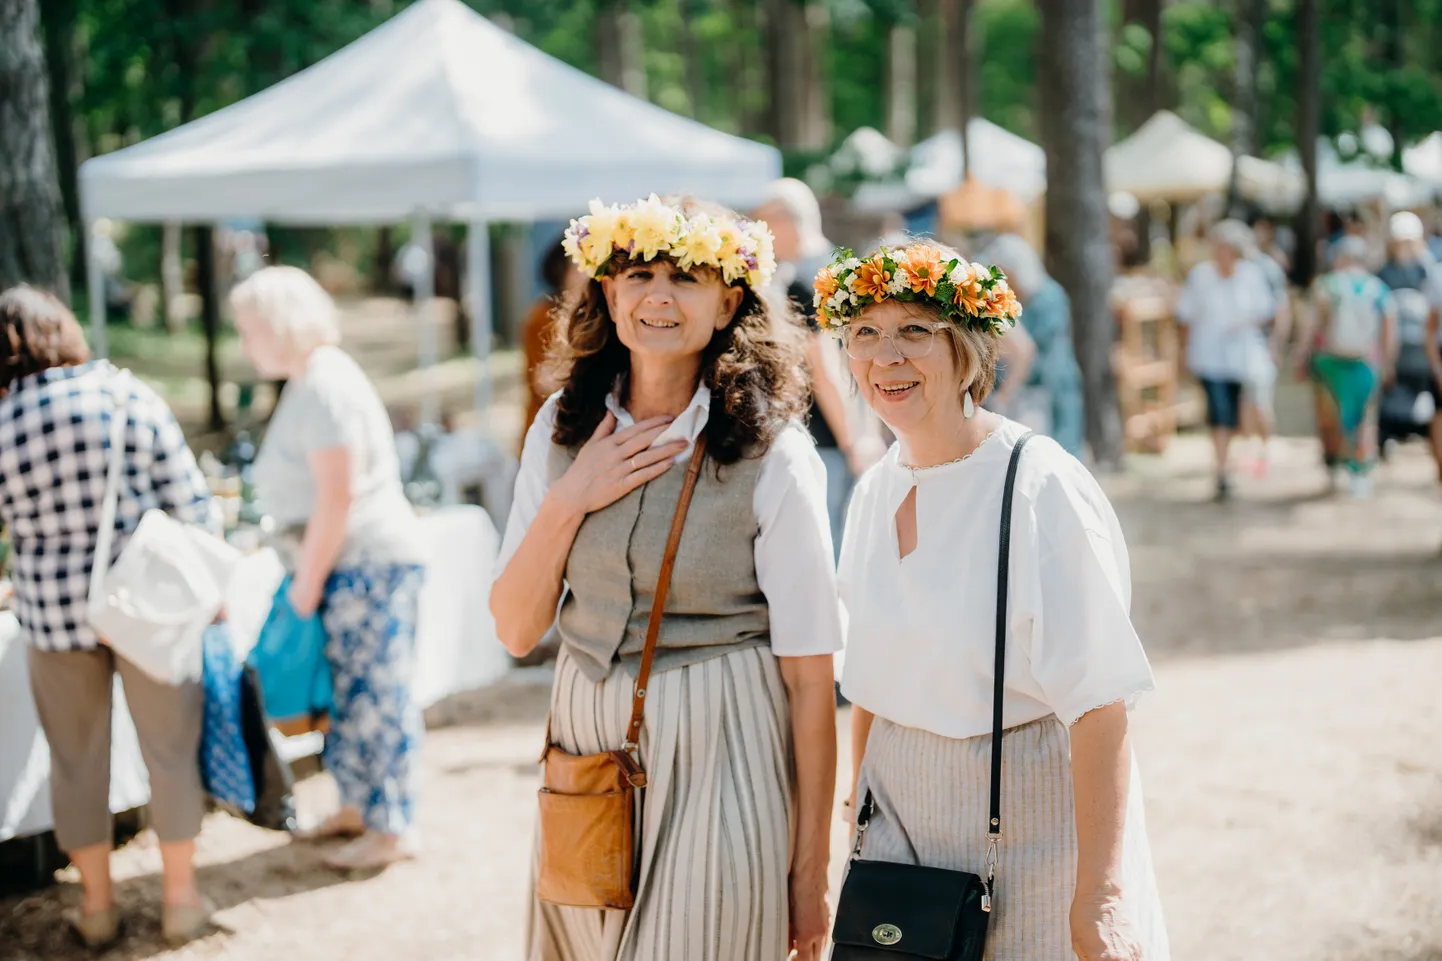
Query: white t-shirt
{"x":334,"y":404}
{"x":794,"y":566}
{"x":1224,"y":316}
{"x":920,"y":645}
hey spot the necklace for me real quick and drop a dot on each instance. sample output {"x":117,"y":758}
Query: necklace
{"x":962,"y":458}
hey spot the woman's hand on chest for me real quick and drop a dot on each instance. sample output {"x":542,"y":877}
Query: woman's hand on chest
{"x":615,"y":462}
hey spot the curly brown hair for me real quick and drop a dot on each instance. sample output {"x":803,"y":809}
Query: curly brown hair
{"x":753,"y":366}
{"x":37,"y":332}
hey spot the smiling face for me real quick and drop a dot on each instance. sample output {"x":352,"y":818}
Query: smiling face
{"x":663,"y":312}
{"x":910,"y":394}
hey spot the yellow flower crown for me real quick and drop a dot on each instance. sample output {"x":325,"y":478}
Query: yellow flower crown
{"x":972,"y":295}
{"x":741,"y":249}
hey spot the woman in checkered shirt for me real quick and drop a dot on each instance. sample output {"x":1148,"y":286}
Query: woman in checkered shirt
{"x":55,"y":410}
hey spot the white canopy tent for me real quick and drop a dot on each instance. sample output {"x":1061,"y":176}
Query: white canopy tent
{"x":436,"y":114}
{"x":1168,"y":159}
{"x":1000,"y":158}
{"x":1345,"y":184}
{"x":1424,"y":160}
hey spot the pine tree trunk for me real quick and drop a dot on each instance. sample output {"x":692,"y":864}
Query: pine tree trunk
{"x":1309,"y":126}
{"x":620,"y":47}
{"x":32,"y":221}
{"x":1140,"y":97}
{"x":1248,"y":48}
{"x":209,"y":317}
{"x":57,"y":21}
{"x":691,"y":53}
{"x":1074,"y":124}
{"x":901,"y":85}
{"x":815,"y":132}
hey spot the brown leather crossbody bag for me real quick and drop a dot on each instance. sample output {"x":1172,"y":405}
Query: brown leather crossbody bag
{"x":588,"y":802}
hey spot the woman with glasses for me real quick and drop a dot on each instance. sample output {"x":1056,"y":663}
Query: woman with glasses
{"x":918,"y":577}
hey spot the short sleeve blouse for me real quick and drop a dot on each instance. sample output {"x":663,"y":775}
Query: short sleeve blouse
{"x":921,"y":633}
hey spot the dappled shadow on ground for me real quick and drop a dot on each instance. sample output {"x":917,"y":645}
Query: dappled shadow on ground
{"x":33,"y":928}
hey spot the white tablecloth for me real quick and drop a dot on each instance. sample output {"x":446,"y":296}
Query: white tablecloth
{"x":456,"y":647}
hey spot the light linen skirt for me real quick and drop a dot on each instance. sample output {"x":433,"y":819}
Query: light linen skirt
{"x":717,"y":824}
{"x":932,"y":795}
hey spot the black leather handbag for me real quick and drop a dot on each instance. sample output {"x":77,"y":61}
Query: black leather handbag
{"x":889,"y":911}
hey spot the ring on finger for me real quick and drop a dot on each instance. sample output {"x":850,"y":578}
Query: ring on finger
{"x":631,"y":464}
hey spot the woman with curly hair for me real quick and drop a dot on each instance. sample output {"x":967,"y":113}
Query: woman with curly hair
{"x":668,"y":350}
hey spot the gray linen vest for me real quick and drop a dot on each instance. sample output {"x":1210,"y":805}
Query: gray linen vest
{"x":714,"y":606}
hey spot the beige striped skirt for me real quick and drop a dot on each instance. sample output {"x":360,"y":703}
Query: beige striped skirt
{"x":932,"y":797}
{"x":717,"y":818}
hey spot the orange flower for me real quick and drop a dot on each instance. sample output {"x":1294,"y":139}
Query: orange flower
{"x":970,"y":297}
{"x":922,"y":266}
{"x":826,"y":283}
{"x":871,"y":279}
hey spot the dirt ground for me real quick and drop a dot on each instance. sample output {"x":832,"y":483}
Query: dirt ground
{"x":1290,"y":757}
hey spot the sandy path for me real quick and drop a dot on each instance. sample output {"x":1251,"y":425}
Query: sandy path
{"x":1292,"y":773}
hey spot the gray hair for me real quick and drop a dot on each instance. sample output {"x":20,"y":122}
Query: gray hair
{"x":1234,"y":234}
{"x":1352,"y":249}
{"x":1022,"y":265}
{"x":800,"y":203}
{"x":292,"y":304}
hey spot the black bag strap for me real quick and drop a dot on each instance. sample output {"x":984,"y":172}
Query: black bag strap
{"x":998,"y":690}
{"x":1003,"y":571}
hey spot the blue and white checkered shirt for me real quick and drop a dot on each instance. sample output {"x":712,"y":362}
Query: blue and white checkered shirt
{"x":54,"y":452}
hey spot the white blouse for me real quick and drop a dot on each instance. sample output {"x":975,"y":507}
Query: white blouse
{"x":921,"y":642}
{"x":794,"y":566}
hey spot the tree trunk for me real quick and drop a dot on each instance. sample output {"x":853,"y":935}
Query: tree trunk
{"x":750,"y":72}
{"x":32,"y":223}
{"x":816,"y":91}
{"x":786,"y":48}
{"x":1394,"y":55}
{"x":691,"y":54}
{"x":1140,"y":97}
{"x":1074,"y":124}
{"x":1309,"y":125}
{"x":620,"y":47}
{"x":1250,"y":14}
{"x":57,"y":20}
{"x":209,"y":317}
{"x":901,"y":85}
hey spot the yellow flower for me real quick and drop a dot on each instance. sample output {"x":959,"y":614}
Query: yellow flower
{"x":923,"y":270}
{"x":700,"y":244}
{"x":600,"y":226}
{"x":655,"y":227}
{"x":871,"y":279}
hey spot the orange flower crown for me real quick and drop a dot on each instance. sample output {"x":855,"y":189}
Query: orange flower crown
{"x":972,"y":295}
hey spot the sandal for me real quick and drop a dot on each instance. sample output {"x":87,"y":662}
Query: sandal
{"x":333,"y":828}
{"x":370,"y":853}
{"x":95,"y":929}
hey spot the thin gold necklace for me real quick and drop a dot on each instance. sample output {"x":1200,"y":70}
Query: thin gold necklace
{"x":963,"y":457}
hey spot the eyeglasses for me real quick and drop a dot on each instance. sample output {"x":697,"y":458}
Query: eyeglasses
{"x":910,"y":340}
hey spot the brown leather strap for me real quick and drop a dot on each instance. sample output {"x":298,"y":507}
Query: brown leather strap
{"x":663,"y":587}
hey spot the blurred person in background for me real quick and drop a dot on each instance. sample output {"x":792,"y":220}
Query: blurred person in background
{"x":1405,"y":274}
{"x":1046,"y":317}
{"x":846,"y":435}
{"x":56,"y":406}
{"x":328,"y":474}
{"x":1224,"y":304}
{"x":562,"y":281}
{"x":1354,"y":356}
{"x":1259,"y":414}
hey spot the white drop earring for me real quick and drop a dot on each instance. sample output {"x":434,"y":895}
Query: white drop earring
{"x":968,"y":406}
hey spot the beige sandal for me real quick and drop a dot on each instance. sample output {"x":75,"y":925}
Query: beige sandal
{"x":185,"y":922}
{"x":96,"y":928}
{"x":332,"y":828}
{"x":369,"y":853}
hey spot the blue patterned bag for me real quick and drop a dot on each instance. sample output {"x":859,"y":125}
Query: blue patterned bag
{"x":289,"y":659}
{"x":225,"y":765}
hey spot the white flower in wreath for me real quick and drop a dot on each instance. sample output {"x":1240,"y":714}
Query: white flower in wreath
{"x":898,"y":283}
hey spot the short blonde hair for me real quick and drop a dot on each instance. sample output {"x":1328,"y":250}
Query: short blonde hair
{"x":288,"y":300}
{"x":1234,"y":234}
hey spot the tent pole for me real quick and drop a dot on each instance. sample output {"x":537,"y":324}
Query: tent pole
{"x":478,"y":293}
{"x":423,"y":281}
{"x":95,"y":283}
